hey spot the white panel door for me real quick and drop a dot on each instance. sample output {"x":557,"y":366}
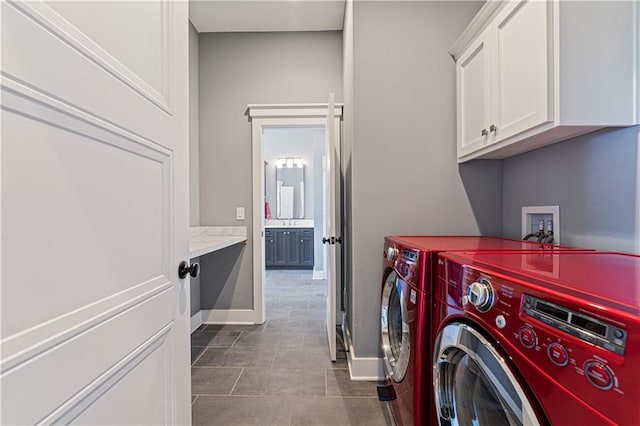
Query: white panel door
{"x":94,"y":208}
{"x":521,"y":77}
{"x":474,"y":96}
{"x":331,"y":218}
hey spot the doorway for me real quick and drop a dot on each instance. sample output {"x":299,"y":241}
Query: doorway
{"x":294,"y":204}
{"x":292,"y":190}
{"x":295,"y":286}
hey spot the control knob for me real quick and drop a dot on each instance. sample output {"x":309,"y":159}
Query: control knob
{"x":528,"y":337}
{"x":392,"y":253}
{"x":480,"y":295}
{"x":558,"y":354}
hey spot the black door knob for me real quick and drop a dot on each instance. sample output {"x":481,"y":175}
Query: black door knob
{"x":184,"y":268}
{"x":325,"y":240}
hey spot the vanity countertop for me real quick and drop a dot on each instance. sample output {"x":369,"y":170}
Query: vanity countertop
{"x":288,"y":223}
{"x":207,"y":239}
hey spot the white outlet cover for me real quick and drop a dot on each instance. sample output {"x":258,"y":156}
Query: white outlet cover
{"x":553,"y":211}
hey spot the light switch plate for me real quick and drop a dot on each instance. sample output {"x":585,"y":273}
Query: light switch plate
{"x":239,"y":213}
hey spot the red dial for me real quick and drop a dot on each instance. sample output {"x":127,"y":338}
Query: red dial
{"x":528,"y":337}
{"x":558,"y":354}
{"x":599,"y":375}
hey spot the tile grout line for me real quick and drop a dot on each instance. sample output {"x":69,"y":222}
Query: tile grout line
{"x":326,"y":384}
{"x":291,"y":411}
{"x":199,"y":356}
{"x":236,"y":339}
{"x":237,"y":380}
{"x":195,"y":399}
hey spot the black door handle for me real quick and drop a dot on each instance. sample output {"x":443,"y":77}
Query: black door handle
{"x":332,"y":240}
{"x":185,"y":269}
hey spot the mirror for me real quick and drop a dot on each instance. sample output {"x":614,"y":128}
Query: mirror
{"x":290,"y":189}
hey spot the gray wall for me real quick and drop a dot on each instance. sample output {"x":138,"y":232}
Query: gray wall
{"x":593,"y":178}
{"x":194,"y":190}
{"x":237,"y":69}
{"x":402,"y":167}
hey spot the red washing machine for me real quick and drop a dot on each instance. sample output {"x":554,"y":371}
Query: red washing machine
{"x":406,"y":324}
{"x":537,"y":338}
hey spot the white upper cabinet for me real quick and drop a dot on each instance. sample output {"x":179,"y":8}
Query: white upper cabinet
{"x":473,"y":76}
{"x":530,"y":73}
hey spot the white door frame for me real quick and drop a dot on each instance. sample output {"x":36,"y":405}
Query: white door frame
{"x":275,"y":115}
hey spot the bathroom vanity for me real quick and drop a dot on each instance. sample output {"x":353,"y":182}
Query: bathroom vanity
{"x":289,"y":245}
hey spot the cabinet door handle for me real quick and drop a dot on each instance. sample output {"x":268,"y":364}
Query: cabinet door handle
{"x":493,"y":128}
{"x":484,"y":132}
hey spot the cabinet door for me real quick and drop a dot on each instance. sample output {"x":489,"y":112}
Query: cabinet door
{"x":520,"y":78}
{"x":292,"y":248}
{"x":269,"y":248}
{"x":281,"y":246}
{"x":306,"y":248}
{"x":473,"y":79}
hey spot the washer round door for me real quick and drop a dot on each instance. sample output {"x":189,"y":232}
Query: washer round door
{"x":394,"y":321}
{"x":473,"y":384}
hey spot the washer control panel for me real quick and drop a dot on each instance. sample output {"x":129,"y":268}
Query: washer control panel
{"x":558,"y":341}
{"x":580,"y":325}
{"x":480,"y":294}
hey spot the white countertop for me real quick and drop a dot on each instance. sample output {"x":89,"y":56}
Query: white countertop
{"x":288,"y":223}
{"x":207,"y":239}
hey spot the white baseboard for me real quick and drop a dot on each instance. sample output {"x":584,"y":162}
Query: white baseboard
{"x":196,"y":321}
{"x":361,"y":368}
{"x":228,"y":316}
{"x":319,"y":275}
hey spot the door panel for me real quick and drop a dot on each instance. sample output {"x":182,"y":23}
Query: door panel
{"x":306,"y":250}
{"x":332,"y":177}
{"x":94,"y":182}
{"x":293,"y":248}
{"x":138,"y":30}
{"x":281,"y":247}
{"x":521,"y":75}
{"x":66,"y":205}
{"x":474,"y":96}
{"x":146,"y":375}
{"x":87,"y":77}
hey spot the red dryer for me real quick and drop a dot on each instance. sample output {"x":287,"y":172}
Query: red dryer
{"x":537,"y":338}
{"x":406,"y":320}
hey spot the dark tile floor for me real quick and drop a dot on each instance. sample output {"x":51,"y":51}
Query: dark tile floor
{"x":279,"y":372}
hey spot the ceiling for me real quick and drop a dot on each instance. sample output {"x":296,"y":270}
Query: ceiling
{"x":266,"y":15}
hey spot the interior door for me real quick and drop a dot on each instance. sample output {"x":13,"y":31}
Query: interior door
{"x":332,"y":226}
{"x":94,"y":175}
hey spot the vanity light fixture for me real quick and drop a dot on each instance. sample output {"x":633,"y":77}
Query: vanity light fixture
{"x":289,"y":163}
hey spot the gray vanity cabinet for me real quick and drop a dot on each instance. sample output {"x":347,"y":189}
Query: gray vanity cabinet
{"x":288,"y":248}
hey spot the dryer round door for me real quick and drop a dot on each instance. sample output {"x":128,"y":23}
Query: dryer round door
{"x":473,"y":384}
{"x":394,"y":321}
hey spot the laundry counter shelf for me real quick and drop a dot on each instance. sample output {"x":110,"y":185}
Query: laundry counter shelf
{"x":207,"y":239}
